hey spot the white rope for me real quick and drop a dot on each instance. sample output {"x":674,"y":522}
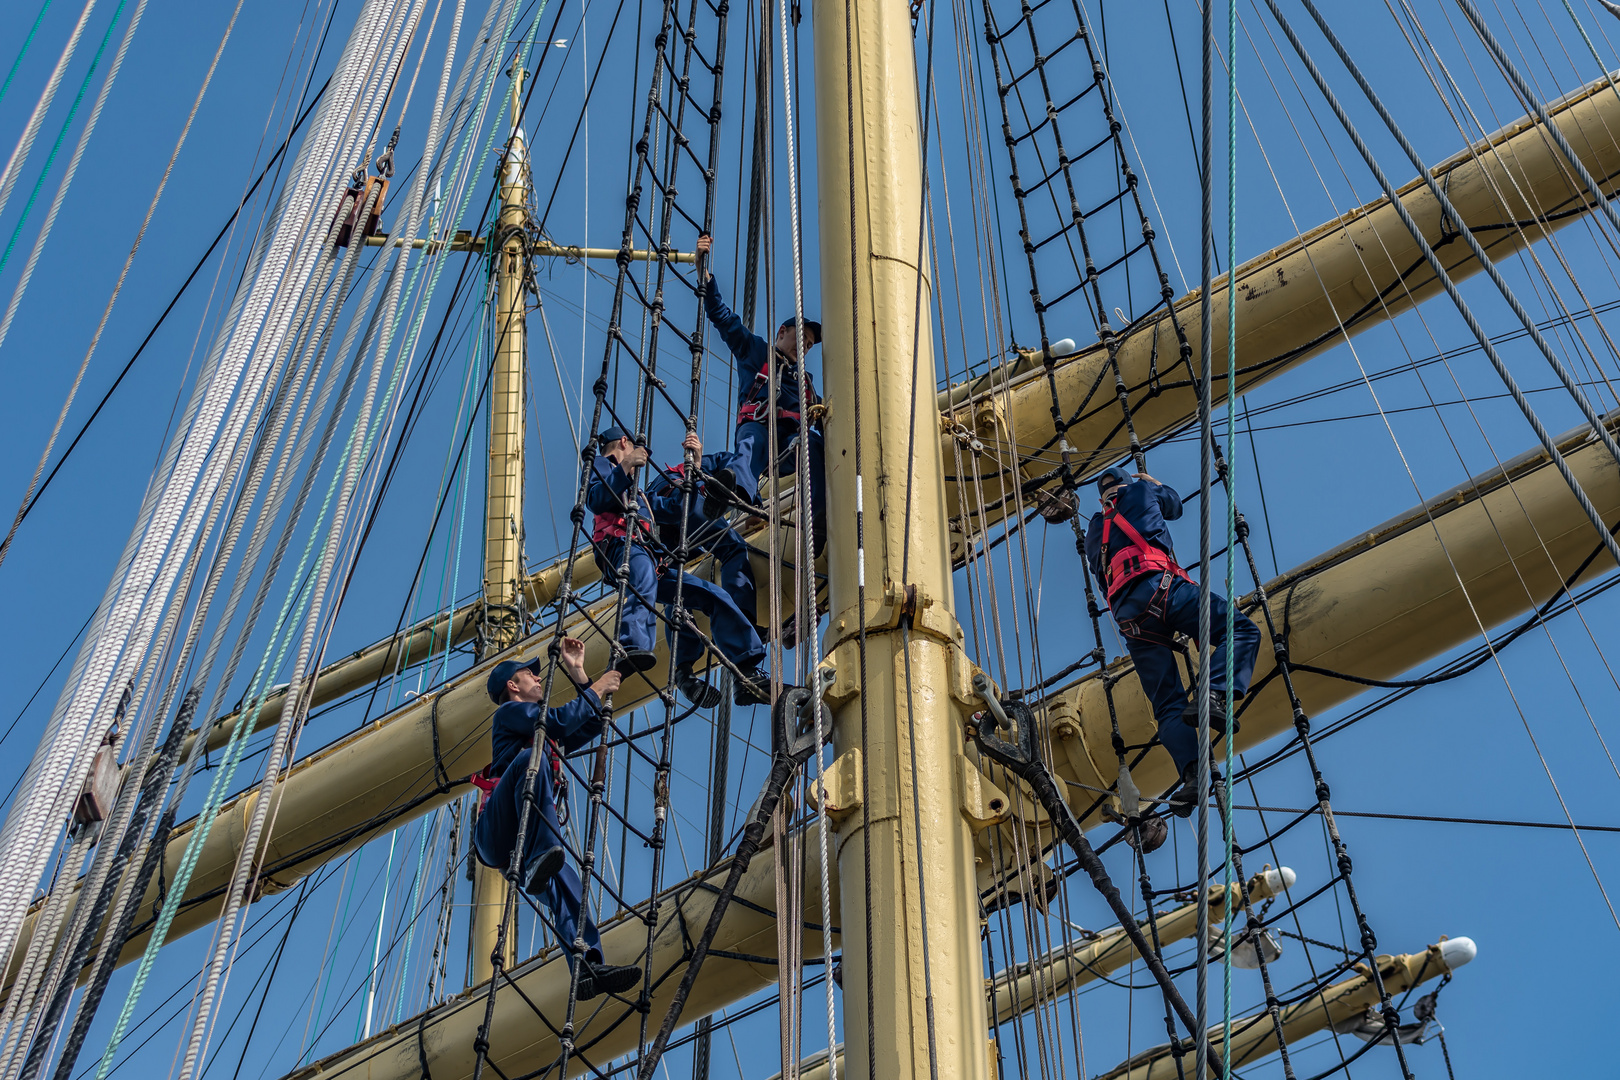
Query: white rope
{"x":19,"y":153}
{"x":140,"y":235}
{"x":806,"y":554}
{"x":73,"y":167}
{"x":228,"y":392}
{"x":45,"y":931}
{"x":294,"y":700}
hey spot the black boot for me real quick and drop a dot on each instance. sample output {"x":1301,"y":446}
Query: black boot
{"x":635,"y":660}
{"x":1184,"y":799}
{"x":1218,"y":723}
{"x":540,"y":869}
{"x":753,"y":688}
{"x":696,"y":689}
{"x":598,"y":978}
{"x":718,"y":494}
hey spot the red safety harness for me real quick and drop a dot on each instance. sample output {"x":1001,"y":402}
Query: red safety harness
{"x":610,"y":524}
{"x":1138,"y":559}
{"x":754,"y":404}
{"x":486,"y":784}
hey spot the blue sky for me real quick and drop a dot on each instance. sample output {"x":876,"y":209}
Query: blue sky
{"x":1330,"y":467}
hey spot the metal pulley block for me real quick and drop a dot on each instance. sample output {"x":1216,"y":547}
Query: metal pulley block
{"x":100,"y":788}
{"x":1056,"y":507}
{"x":354,"y":200}
{"x":1247,"y":950}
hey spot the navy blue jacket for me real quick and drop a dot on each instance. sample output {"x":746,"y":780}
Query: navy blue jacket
{"x":1147,"y":506}
{"x":752,"y":354}
{"x":606,"y":497}
{"x":572,"y":725}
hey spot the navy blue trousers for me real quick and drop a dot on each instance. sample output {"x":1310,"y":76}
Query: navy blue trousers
{"x":496,"y":835}
{"x":753,"y":443}
{"x":731,"y":554}
{"x":741,"y":466}
{"x":733,"y":632}
{"x":1156,"y":664}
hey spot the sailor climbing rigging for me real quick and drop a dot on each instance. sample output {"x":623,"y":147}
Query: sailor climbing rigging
{"x":722,"y":481}
{"x":794,"y":418}
{"x":1152,"y":599}
{"x":516,"y":686}
{"x":653,"y":579}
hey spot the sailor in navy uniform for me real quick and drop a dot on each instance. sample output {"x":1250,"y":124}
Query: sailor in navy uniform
{"x":1152,"y":599}
{"x":722,"y":482}
{"x":795,"y":419}
{"x":516,"y":686}
{"x":653,"y":579}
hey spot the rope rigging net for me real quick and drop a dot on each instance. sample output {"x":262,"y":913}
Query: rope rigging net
{"x":1082,"y":223}
{"x":1094,"y":247}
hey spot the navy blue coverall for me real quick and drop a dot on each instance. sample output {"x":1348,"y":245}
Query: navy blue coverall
{"x":733,"y":632}
{"x":752,"y":438}
{"x":573,"y":726}
{"x":713,"y":535}
{"x":1147,"y":505}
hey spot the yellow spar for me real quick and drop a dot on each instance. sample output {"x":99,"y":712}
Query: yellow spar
{"x":1391,"y":593}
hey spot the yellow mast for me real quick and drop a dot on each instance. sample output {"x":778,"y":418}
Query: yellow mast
{"x":503,"y":623}
{"x":1377,"y":605}
{"x":909,"y":859}
{"x":1289,"y":298}
{"x":1028,"y":986}
{"x":329,"y":798}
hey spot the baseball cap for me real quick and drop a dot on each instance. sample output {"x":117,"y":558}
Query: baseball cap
{"x":1114,"y":474}
{"x":503,"y":672}
{"x":612,"y":435}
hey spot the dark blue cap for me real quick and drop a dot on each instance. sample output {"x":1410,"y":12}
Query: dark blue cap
{"x":611,"y":435}
{"x":503,"y":672}
{"x":1114,"y":474}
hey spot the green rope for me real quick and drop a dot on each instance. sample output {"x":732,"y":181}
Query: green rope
{"x":416,"y":898}
{"x":283,"y":634}
{"x":282,"y":637}
{"x":362,"y":1018}
{"x":457,"y":494}
{"x":1231,"y":512}
{"x":449,"y":485}
{"x":29,"y":40}
{"x":343,"y":928}
{"x":60,"y":135}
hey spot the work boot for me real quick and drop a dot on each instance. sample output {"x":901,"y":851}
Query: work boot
{"x":635,"y":660}
{"x":540,"y":869}
{"x":752,"y":688}
{"x":596,"y":979}
{"x":696,"y":689}
{"x":1217,"y":715}
{"x":718,"y":493}
{"x":1184,"y":800}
